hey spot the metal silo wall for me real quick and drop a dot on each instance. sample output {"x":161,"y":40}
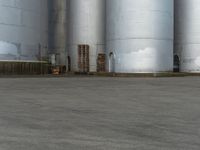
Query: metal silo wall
{"x":187,"y":34}
{"x":58,"y":25}
{"x":87,"y":27}
{"x":23,"y":30}
{"x":139,"y":36}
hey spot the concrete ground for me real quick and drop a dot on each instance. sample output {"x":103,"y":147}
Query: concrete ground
{"x":80,"y":113}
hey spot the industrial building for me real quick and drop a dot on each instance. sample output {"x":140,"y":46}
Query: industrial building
{"x":99,"y":75}
{"x":121,"y":36}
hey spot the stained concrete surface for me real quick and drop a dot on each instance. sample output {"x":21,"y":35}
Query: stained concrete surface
{"x":100,"y":113}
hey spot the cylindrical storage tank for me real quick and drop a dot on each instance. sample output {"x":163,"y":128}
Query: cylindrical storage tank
{"x":139,"y":36}
{"x":86,"y":34}
{"x":58,"y":24}
{"x":23,"y":30}
{"x":187,"y":34}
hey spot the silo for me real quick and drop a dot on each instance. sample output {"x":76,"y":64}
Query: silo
{"x":86,"y":34}
{"x":187,"y":34}
{"x":58,"y":24}
{"x":139,"y":36}
{"x":23,"y":30}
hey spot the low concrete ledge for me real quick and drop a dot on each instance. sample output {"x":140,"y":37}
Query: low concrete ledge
{"x":162,"y":74}
{"x":93,"y":74}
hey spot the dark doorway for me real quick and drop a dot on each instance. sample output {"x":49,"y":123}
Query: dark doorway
{"x":176,"y":63}
{"x":111,"y":62}
{"x":69,"y":63}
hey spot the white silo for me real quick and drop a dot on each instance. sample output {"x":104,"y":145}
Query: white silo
{"x":187,"y":34}
{"x":58,"y":24}
{"x":139,"y":36}
{"x":86,"y":34}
